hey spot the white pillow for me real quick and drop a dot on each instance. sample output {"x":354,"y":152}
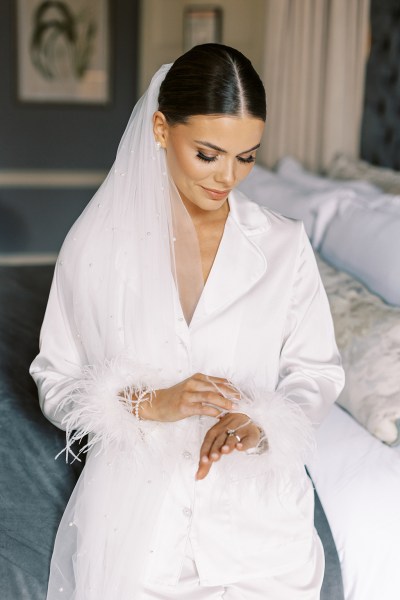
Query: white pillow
{"x":365,"y":242}
{"x":291,"y":170}
{"x":288,"y":198}
{"x":368,"y":337}
{"x":345,"y":167}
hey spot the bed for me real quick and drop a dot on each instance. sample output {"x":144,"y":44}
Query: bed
{"x":34,"y":487}
{"x":356,"y":469}
{"x":354,"y":226}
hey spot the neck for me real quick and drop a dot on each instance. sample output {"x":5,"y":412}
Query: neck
{"x":200,"y":216}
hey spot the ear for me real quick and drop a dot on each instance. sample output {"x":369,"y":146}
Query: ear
{"x":160,"y":128}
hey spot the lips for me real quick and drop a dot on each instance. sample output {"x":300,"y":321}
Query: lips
{"x":216,"y":194}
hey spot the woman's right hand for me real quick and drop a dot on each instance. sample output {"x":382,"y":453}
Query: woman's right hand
{"x":197,"y":395}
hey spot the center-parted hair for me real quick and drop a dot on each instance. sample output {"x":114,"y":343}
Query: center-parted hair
{"x":211,"y":79}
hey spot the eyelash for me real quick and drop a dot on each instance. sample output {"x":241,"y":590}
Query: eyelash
{"x":209,"y":159}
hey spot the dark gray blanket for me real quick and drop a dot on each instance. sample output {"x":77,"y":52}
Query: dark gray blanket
{"x":34,"y":488}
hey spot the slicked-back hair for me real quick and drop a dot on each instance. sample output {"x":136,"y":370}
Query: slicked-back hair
{"x":211,"y":79}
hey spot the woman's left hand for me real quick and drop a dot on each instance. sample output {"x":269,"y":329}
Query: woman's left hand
{"x":217,"y":442}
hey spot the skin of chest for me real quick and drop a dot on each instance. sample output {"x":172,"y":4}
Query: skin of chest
{"x":209,"y":235}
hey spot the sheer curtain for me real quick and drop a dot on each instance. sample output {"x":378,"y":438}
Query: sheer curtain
{"x":314,"y":63}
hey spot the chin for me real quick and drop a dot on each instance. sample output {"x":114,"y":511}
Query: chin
{"x":210,"y":205}
{"x":199,"y":200}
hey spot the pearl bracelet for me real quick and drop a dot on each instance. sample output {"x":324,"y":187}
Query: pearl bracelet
{"x":136,"y":403}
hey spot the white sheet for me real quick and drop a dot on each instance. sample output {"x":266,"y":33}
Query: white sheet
{"x":358,"y":480}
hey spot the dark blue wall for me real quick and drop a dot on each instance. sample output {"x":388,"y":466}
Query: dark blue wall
{"x":35,"y":136}
{"x":53,"y":136}
{"x":380,"y":139}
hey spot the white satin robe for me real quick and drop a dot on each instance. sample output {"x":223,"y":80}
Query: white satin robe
{"x":263,"y":318}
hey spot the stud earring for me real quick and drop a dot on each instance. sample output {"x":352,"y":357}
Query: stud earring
{"x":158,"y":144}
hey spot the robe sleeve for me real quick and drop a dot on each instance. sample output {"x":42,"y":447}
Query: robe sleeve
{"x":310,"y":369}
{"x":56,"y":370}
{"x":310,"y":373}
{"x":81,"y":398}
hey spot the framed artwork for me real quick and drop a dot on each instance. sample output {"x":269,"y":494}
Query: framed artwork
{"x":63,"y":51}
{"x":201,"y":25}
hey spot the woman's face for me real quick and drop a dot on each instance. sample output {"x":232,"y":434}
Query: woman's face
{"x":209,"y":155}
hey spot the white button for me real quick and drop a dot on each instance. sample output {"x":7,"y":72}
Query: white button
{"x":186,"y":455}
{"x":187,"y":512}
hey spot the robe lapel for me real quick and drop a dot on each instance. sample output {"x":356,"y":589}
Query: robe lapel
{"x":239,"y":263}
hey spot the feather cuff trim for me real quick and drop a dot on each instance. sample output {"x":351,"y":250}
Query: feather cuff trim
{"x":100,"y":406}
{"x":288,"y":441}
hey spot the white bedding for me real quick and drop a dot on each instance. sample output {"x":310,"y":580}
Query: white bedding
{"x":368,"y":337}
{"x":358,"y":482}
{"x":356,"y":475}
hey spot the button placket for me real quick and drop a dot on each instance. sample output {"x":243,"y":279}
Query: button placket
{"x":184,"y":348}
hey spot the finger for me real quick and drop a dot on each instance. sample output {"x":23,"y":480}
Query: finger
{"x":232,"y":422}
{"x":248,"y":441}
{"x":211,"y":378}
{"x":219,"y":385}
{"x":201,"y":409}
{"x":204,"y":468}
{"x":219,"y":442}
{"x":226,"y":389}
{"x":210,"y":398}
{"x":205,"y":463}
{"x":229,"y":445}
{"x":217,"y":399}
{"x":209,"y":440}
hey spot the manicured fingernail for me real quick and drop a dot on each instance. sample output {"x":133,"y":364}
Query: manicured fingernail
{"x":214,"y":455}
{"x":239,"y":445}
{"x":204,"y":459}
{"x":225,"y":447}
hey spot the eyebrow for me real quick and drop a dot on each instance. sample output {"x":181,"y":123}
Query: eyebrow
{"x":218,"y":149}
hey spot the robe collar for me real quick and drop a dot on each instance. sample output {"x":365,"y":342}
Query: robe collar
{"x":239,"y":263}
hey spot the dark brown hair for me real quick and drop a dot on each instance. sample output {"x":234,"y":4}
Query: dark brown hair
{"x":211,"y":79}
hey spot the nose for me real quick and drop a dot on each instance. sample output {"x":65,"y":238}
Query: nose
{"x":226,"y":174}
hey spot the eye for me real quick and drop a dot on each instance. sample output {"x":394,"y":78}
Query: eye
{"x":248,"y":160}
{"x":206,"y":158}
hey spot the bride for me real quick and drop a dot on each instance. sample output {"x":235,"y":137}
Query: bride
{"x":188,"y":336}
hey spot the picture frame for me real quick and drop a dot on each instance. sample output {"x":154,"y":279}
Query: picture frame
{"x":63,"y":51}
{"x":201,"y":25}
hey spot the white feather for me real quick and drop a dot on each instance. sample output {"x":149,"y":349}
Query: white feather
{"x":288,"y":441}
{"x":97,"y":409}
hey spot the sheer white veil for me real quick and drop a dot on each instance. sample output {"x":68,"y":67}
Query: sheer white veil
{"x":129,"y":252}
{"x":128,"y":269}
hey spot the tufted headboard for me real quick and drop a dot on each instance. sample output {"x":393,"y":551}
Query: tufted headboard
{"x":380,"y":133}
